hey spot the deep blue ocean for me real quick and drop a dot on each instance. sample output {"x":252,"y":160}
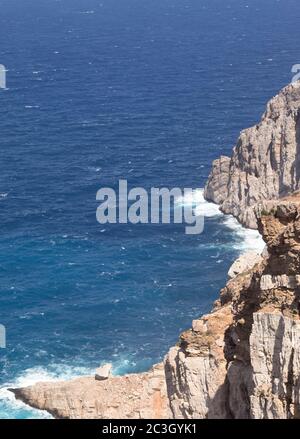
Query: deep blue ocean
{"x":100,"y":90}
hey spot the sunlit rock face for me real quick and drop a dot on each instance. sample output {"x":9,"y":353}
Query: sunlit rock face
{"x":265,"y":162}
{"x":243,"y":359}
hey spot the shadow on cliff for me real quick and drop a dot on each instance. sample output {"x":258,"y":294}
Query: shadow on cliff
{"x":296,"y":165}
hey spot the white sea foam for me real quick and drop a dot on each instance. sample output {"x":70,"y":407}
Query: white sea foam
{"x":202,"y":207}
{"x":56,"y":372}
{"x":13,"y":408}
{"x":245,"y":239}
{"x":205,"y":208}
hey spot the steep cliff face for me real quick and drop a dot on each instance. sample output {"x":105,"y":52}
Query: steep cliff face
{"x":275,"y":360}
{"x":240,"y":361}
{"x":256,"y":372}
{"x":196,"y":369}
{"x":265,"y":163}
{"x":243,"y":359}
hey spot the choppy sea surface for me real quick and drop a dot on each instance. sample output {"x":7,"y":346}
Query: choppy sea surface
{"x":102,"y":90}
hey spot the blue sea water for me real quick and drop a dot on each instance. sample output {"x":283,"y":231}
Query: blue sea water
{"x":100,"y":90}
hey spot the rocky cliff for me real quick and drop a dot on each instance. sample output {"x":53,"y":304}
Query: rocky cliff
{"x":240,"y":361}
{"x":243,"y":359}
{"x":265,"y":163}
{"x":132,"y":396}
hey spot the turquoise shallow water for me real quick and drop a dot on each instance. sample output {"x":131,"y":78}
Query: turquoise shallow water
{"x":100,"y":91}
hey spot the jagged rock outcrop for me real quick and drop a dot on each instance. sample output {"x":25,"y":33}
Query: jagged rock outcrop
{"x":128,"y":397}
{"x":216,"y":189}
{"x":275,"y":360}
{"x":258,"y":375}
{"x":243,"y":263}
{"x":265,"y":164}
{"x":240,"y":361}
{"x":196,"y":370}
{"x":243,"y":359}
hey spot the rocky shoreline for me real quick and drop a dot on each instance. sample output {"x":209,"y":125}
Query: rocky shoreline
{"x":265,"y":163}
{"x":242,"y":360}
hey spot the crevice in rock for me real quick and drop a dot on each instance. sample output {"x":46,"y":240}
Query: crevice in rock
{"x":290,"y":384}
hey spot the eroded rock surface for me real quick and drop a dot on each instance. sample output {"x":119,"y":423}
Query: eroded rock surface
{"x":243,"y":359}
{"x":265,"y":164}
{"x":196,"y":370}
{"x":275,"y":360}
{"x":132,"y":396}
{"x":240,"y":361}
{"x":243,"y":263}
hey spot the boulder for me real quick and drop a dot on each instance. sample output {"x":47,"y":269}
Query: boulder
{"x":244,"y":263}
{"x":103,"y":372}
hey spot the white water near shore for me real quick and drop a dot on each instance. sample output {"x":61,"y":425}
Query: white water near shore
{"x":251,"y":239}
{"x":10,"y":407}
{"x":16,"y":408}
{"x":202,"y":207}
{"x":243,"y":240}
{"x":247,"y":239}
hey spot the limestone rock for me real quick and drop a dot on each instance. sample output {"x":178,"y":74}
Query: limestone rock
{"x":275,"y":360}
{"x":217,"y":186}
{"x":240,"y":361}
{"x":244,"y":263}
{"x":128,"y":397}
{"x":196,"y":370}
{"x":265,"y":163}
{"x":103,"y":372}
{"x":269,"y":282}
